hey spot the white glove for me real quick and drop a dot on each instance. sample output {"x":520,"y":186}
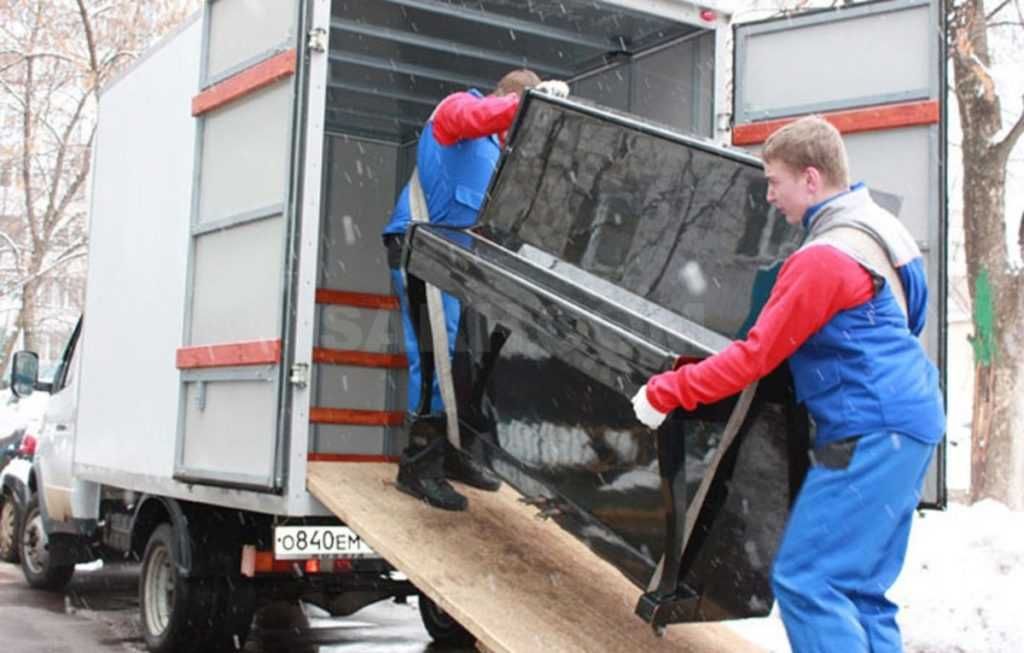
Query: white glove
{"x":650,"y":416}
{"x":554,"y":88}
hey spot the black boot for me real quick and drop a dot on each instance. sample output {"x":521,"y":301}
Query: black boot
{"x":460,"y":466}
{"x":421,"y":468}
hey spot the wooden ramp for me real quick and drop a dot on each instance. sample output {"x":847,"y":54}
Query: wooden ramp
{"x":516,"y":582}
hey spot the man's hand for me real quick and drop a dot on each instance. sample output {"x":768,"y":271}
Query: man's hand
{"x":554,"y":88}
{"x":650,"y":416}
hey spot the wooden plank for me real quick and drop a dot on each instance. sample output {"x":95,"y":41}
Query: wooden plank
{"x":851,"y":121}
{"x":516,"y":582}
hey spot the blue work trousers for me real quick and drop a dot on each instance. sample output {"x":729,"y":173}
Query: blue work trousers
{"x":424,"y":392}
{"x":844,"y":546}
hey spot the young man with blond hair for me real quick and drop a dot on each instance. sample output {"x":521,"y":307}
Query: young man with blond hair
{"x":846,"y":312}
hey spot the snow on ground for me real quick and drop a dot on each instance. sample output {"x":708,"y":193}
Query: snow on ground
{"x":960,"y":587}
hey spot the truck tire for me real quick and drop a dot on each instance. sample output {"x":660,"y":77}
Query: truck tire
{"x":442,"y":628}
{"x":34,"y":549}
{"x":189,"y":614}
{"x":8,"y":527}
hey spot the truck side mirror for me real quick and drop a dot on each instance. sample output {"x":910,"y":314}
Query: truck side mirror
{"x":24,"y":373}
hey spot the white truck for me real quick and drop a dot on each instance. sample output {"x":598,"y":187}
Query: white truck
{"x":239,"y":325}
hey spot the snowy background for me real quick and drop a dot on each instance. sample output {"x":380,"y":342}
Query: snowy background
{"x":960,"y":587}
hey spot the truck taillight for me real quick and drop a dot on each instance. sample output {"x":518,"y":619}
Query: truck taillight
{"x":28,"y":445}
{"x":256,"y":562}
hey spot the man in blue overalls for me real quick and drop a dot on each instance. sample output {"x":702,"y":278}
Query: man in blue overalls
{"x":846,"y":311}
{"x":455,"y":158}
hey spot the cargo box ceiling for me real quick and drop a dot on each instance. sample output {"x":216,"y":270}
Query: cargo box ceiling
{"x":392,"y":61}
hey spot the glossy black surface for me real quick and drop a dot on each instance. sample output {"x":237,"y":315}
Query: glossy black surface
{"x":607,"y":249}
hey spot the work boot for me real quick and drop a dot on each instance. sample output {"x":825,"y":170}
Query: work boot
{"x":460,"y":466}
{"x":421,"y":468}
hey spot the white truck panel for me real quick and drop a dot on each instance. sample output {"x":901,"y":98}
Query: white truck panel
{"x":138,"y":233}
{"x":245,"y":155}
{"x":266,"y":25}
{"x":139,"y":237}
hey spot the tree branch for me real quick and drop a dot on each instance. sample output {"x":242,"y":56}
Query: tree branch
{"x":74,"y":251}
{"x":83,"y":173}
{"x":14,"y":94}
{"x":26,"y":134}
{"x":22,"y":58}
{"x":997,"y":10}
{"x":1010,"y":141}
{"x":15,"y":249}
{"x":61,"y":153}
{"x":90,"y":41}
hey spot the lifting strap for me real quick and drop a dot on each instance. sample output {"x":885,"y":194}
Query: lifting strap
{"x":865,"y":248}
{"x":438,"y":325}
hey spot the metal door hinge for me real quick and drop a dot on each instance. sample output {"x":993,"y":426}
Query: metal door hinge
{"x":300,"y":375}
{"x":317,"y":40}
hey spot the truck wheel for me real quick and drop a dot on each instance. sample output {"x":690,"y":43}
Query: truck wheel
{"x":442,"y":628}
{"x":8,"y":528}
{"x":36,"y":562}
{"x":186,"y":614}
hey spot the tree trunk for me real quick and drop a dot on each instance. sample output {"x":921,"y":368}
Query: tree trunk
{"x":998,"y":413}
{"x":29,"y":322}
{"x":997,"y":291}
{"x":8,"y":349}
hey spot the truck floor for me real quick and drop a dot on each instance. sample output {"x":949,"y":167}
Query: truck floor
{"x":518,"y":583}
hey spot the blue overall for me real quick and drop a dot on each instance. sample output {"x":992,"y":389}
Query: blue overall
{"x":454,"y":180}
{"x":867,"y":382}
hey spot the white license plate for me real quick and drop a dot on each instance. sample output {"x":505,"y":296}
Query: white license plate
{"x":295,"y":542}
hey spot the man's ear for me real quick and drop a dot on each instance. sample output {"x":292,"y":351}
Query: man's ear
{"x":812,"y":179}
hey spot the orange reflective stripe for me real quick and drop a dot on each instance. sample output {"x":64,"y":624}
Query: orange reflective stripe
{"x":247,"y":81}
{"x":255,"y":352}
{"x":359,"y":358}
{"x":357,"y":299}
{"x":356,"y":417}
{"x":889,"y":116}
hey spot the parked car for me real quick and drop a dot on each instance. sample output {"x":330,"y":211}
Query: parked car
{"x":20,"y":420}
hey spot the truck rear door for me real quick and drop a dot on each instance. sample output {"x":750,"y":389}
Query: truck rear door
{"x":263,"y":71}
{"x":876,"y":71}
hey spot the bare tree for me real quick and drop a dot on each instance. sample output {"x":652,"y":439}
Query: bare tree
{"x":55,"y":57}
{"x":996,"y":284}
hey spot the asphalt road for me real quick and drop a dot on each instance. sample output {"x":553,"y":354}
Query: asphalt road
{"x":98,"y":612}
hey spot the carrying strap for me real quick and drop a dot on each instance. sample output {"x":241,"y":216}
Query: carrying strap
{"x":438,"y":324}
{"x":864,"y":248}
{"x":732,"y":428}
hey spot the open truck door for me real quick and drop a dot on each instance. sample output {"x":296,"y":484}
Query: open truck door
{"x":877,"y":72}
{"x":259,"y":116}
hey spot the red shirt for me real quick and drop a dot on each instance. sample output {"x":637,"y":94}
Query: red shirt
{"x":463,"y":116}
{"x":813,"y":286}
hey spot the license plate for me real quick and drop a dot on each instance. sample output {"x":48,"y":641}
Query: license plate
{"x":295,"y":542}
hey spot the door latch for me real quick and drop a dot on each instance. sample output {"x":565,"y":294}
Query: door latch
{"x":300,"y":375}
{"x":317,"y":40}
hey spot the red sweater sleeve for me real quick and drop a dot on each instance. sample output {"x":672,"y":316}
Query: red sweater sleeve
{"x":813,"y":285}
{"x":464,"y":116}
